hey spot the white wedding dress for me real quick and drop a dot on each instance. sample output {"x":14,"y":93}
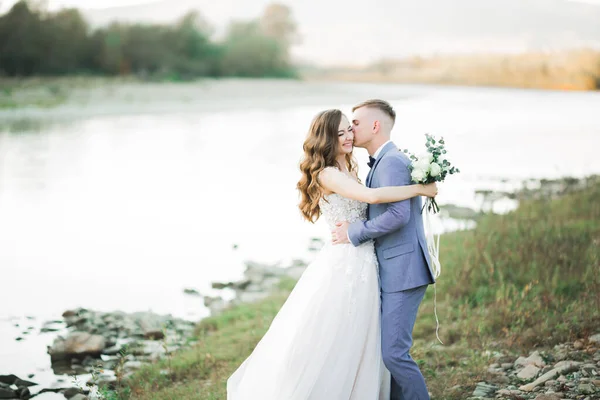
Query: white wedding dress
{"x":324,"y":344}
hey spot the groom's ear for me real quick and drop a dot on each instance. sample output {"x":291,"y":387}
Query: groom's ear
{"x":376,"y":126}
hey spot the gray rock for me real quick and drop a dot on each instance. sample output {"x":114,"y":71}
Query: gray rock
{"x":563,"y":369}
{"x":546,"y":396}
{"x":561,"y":364}
{"x":52,"y":326}
{"x":151,"y":326}
{"x":533,"y":359}
{"x":586,"y":388}
{"x":79,"y":397}
{"x":22,"y":383}
{"x":510,"y":392}
{"x":8,"y":379}
{"x":216,"y":305}
{"x":251,"y":297}
{"x":24,"y":393}
{"x":132,"y":365}
{"x":589,"y":368}
{"x":8,"y":394}
{"x":191,"y":292}
{"x":71,"y":392}
{"x":220,"y":285}
{"x":49,"y":396}
{"x":112,"y":351}
{"x":594,"y":338}
{"x":241,"y":285}
{"x":528,"y":373}
{"x":77,"y":344}
{"x":485,"y":390}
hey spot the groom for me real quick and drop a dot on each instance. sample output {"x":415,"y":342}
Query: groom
{"x":397,"y":228}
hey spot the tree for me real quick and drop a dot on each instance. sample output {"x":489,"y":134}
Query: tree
{"x":21,"y":42}
{"x":248,"y":52}
{"x":195,"y":54}
{"x":277,"y":23}
{"x":65,"y":39}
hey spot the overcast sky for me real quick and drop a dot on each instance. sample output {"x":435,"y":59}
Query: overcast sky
{"x":55,"y":4}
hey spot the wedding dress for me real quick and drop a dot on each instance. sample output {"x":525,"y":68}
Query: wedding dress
{"x":325,"y":343}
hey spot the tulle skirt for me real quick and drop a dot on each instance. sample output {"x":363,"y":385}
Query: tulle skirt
{"x":325,"y":342}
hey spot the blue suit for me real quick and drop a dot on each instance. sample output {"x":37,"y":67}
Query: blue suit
{"x":404,"y":269}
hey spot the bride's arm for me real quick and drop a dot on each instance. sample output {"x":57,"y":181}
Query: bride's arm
{"x":336,"y":181}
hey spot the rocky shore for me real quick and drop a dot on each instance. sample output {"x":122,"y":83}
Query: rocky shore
{"x":567,"y":371}
{"x":259,"y":281}
{"x":100,"y":349}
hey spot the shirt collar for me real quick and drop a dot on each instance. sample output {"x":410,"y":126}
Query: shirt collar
{"x":379,"y":150}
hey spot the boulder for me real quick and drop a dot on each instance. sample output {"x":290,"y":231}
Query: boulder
{"x":77,"y":344}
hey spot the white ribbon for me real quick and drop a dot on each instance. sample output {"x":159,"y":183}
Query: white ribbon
{"x":433,"y":247}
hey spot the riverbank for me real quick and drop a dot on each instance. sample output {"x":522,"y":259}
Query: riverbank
{"x":575,"y":70}
{"x":94,"y":352}
{"x":568,"y":70}
{"x":524,"y":269}
{"x":528,"y":282}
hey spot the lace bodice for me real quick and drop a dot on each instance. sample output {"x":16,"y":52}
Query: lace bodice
{"x":336,"y":208}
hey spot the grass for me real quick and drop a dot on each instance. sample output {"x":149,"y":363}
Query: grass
{"x":523,"y":280}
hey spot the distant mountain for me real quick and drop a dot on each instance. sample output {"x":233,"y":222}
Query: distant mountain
{"x":358,"y":32}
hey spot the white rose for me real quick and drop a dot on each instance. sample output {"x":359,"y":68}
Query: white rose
{"x":422,"y":164}
{"x":441,"y":159}
{"x":435,"y":169}
{"x":418,"y":175}
{"x":426,"y":156}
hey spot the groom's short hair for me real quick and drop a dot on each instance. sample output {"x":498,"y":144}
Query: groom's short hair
{"x":380,"y":105}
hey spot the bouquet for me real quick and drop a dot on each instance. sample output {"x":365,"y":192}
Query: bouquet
{"x":428,"y":167}
{"x":431,"y":166}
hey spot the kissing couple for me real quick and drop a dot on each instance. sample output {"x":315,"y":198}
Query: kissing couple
{"x":345,"y":331}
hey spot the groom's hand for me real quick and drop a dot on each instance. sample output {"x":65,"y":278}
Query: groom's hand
{"x":340,"y":234}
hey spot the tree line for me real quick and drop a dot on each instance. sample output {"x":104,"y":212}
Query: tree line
{"x":35,"y":42}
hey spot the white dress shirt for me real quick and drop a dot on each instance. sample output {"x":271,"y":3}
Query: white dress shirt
{"x":379,"y":149}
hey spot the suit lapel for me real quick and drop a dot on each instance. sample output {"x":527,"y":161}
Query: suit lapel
{"x":388,"y":147}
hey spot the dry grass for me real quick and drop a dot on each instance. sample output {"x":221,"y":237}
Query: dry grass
{"x":574,"y":70}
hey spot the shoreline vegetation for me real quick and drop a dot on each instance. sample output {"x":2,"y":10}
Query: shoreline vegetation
{"x":47,"y":58}
{"x":36,"y":42}
{"x":577,"y":70}
{"x":523,"y":323}
{"x":50,"y":92}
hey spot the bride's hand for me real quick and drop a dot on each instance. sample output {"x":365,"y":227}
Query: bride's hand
{"x":429,"y":190}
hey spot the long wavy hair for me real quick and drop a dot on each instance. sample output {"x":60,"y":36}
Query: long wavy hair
{"x":321,"y":149}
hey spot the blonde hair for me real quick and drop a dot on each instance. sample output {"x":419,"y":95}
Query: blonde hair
{"x":381,"y":105}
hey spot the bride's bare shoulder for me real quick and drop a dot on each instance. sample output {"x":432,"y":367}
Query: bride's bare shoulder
{"x":325,"y":177}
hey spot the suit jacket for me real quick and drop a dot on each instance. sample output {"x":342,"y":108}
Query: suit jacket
{"x":397,"y":228}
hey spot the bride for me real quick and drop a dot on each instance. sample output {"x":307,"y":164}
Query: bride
{"x":324,"y":344}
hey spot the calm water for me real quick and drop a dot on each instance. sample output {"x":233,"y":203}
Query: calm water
{"x":123,"y":205}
